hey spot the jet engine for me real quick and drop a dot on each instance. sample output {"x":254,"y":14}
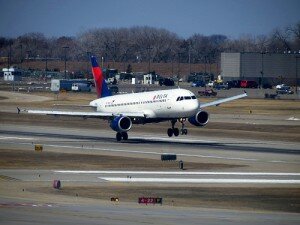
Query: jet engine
{"x":200,"y":119}
{"x":121,"y":124}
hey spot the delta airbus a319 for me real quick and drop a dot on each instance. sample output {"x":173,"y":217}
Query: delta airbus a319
{"x":175,"y":105}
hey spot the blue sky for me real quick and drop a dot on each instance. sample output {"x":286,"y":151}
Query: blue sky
{"x":183,"y":17}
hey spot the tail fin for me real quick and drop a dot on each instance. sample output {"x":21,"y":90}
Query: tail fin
{"x":100,"y":84}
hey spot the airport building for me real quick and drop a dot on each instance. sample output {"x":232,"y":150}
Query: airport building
{"x":12,"y":74}
{"x":271,"y":68}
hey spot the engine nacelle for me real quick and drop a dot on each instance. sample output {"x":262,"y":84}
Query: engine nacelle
{"x":200,"y":119}
{"x":121,"y":124}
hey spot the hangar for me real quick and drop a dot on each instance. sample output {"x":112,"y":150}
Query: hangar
{"x":272,"y":68}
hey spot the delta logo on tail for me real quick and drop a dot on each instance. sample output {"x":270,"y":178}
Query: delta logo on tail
{"x":100,"y":84}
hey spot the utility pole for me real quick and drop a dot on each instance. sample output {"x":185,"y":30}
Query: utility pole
{"x":297,"y":57}
{"x":178,"y":76}
{"x":9,"y":56}
{"x":65,"y":48}
{"x":262,"y":69}
{"x":21,"y":56}
{"x":189,"y":60}
{"x":87,"y":64}
{"x":149,"y":58}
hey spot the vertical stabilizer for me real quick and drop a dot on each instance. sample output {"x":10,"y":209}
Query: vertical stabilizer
{"x":100,"y":84}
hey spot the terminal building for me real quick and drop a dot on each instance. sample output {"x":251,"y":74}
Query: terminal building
{"x":271,"y":68}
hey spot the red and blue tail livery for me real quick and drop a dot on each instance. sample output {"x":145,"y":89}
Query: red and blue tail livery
{"x":100,"y":84}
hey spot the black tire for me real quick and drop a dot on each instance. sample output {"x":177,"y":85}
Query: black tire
{"x":119,"y":136}
{"x":176,"y":132}
{"x":170,"y":132}
{"x":124,"y":136}
{"x":184,"y":132}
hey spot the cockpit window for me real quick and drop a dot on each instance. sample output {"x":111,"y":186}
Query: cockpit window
{"x":185,"y":98}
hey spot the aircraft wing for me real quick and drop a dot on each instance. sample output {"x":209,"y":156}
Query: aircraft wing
{"x":100,"y":115}
{"x":218,"y":102}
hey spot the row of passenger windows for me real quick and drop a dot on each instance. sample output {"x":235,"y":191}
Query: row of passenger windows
{"x":185,"y":98}
{"x":135,"y":103}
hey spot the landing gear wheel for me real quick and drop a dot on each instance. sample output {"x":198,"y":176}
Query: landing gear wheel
{"x":170,"y":132}
{"x":184,"y":131}
{"x":119,"y":136}
{"x":176,"y":132}
{"x":125,"y":136}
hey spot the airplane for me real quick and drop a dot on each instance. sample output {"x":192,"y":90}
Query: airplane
{"x":124,"y":110}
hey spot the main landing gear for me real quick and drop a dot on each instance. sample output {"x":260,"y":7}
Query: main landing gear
{"x":175,"y":131}
{"x":121,"y":135}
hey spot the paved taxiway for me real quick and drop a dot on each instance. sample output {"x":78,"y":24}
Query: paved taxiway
{"x":130,"y":214}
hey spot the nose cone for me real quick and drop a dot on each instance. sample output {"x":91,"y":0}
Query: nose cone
{"x":93,"y":103}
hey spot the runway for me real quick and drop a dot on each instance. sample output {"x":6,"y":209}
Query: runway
{"x":259,"y":154}
{"x":255,"y":164}
{"x":153,"y":177}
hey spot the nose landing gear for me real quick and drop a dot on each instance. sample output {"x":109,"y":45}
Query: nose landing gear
{"x":175,"y":131}
{"x":183,"y":130}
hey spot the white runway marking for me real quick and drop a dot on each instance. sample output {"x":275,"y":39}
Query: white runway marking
{"x":174,"y":173}
{"x":17,"y":138}
{"x":201,"y":181}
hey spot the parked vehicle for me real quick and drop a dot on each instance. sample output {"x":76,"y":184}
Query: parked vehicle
{"x":279,"y":86}
{"x":59,"y":85}
{"x":207,"y":92}
{"x":267,"y":86}
{"x":198,"y":84}
{"x":210,"y":84}
{"x":234,"y":84}
{"x":166,"y":82}
{"x":114,"y":89}
{"x":221,"y":86}
{"x":249,"y":84}
{"x":284,"y":90}
{"x":81,"y":87}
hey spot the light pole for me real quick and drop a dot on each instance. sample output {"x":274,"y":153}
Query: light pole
{"x":65,"y":48}
{"x":21,"y":56}
{"x":149,"y":58}
{"x":9,"y":55}
{"x":189,"y":60}
{"x":178,"y":76}
{"x":87,"y":63}
{"x":262,"y":69}
{"x":297,"y":57}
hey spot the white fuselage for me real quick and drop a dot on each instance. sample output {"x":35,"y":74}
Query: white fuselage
{"x":175,"y":103}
